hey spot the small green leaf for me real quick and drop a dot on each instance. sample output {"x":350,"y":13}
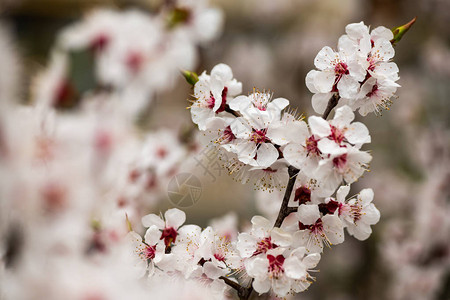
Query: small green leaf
{"x":191,"y":77}
{"x":400,"y":31}
{"x":130,"y":228}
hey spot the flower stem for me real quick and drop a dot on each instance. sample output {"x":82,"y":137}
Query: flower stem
{"x":331,"y":104}
{"x":245,"y":292}
{"x":284,"y":209}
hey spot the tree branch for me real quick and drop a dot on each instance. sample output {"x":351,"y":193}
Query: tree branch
{"x":245,"y":292}
{"x":331,"y":104}
{"x":284,"y":209}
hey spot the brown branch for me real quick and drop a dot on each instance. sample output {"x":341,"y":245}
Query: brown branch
{"x":229,"y":110}
{"x":331,"y":104}
{"x":284,"y":209}
{"x":245,"y":292}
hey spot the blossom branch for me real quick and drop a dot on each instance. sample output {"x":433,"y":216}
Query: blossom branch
{"x":243,"y":292}
{"x":284,"y":209}
{"x":331,"y":104}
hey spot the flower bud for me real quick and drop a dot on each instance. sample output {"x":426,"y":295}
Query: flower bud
{"x":400,"y":31}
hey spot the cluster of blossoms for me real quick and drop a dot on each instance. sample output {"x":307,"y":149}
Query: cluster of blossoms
{"x":360,"y":72}
{"x":74,"y":165}
{"x":264,"y":141}
{"x":84,"y":176}
{"x":125,"y":51}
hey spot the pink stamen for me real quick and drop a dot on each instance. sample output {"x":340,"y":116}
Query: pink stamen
{"x":264,"y":245}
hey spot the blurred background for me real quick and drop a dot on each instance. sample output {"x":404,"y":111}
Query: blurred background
{"x":271,"y":45}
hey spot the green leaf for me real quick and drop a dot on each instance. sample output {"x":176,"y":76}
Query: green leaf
{"x":400,"y":31}
{"x":191,"y":77}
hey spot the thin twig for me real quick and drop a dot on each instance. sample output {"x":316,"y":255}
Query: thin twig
{"x":331,"y":104}
{"x":284,"y":209}
{"x":245,"y":292}
{"x":232,"y":283}
{"x":229,"y":110}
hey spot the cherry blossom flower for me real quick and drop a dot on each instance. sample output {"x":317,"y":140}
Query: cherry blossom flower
{"x":374,"y":95}
{"x":281,"y":272}
{"x":338,"y":72}
{"x":340,"y":130}
{"x":213,"y":93}
{"x":150,"y":251}
{"x":254,"y":129}
{"x":174,"y":218}
{"x":302,"y":152}
{"x":315,"y":231}
{"x":346,"y":164}
{"x":357,"y":213}
{"x":196,"y":19}
{"x":261,"y":238}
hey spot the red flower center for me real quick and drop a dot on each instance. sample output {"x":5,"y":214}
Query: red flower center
{"x":259,"y":136}
{"x":169,"y":234}
{"x":339,"y":162}
{"x":276,"y":265}
{"x":212,"y":101}
{"x":336,"y":135}
{"x":149,"y":252}
{"x":302,"y":195}
{"x":311,"y":146}
{"x":264,"y":245}
{"x":373,"y":91}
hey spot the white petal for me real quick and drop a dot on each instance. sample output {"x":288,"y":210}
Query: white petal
{"x":213,"y":271}
{"x":295,"y":154}
{"x":222,"y":71}
{"x":383,"y":50}
{"x":246,"y":244}
{"x":280,"y":237}
{"x":246,"y":151}
{"x":261,"y":286}
{"x":372,"y":215}
{"x":152,"y":235}
{"x":261,"y":222}
{"x":153,"y":219}
{"x":342,"y":192}
{"x":324,"y":81}
{"x":281,"y":134}
{"x":294,"y":268}
{"x":239,"y":102}
{"x":334,"y":229}
{"x":267,"y":154}
{"x":319,"y":126}
{"x":174,"y":217}
{"x":328,"y":146}
{"x":382,"y":32}
{"x":320,"y":101}
{"x":257,"y":268}
{"x":357,"y":134}
{"x":311,"y":260}
{"x":356,"y":30}
{"x":344,"y":115}
{"x":366,"y":196}
{"x":278,"y":104}
{"x":324,"y":58}
{"x":308,"y":213}
{"x":348,"y":87}
{"x":240,"y":128}
{"x":309,"y":80}
{"x":281,"y":286}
